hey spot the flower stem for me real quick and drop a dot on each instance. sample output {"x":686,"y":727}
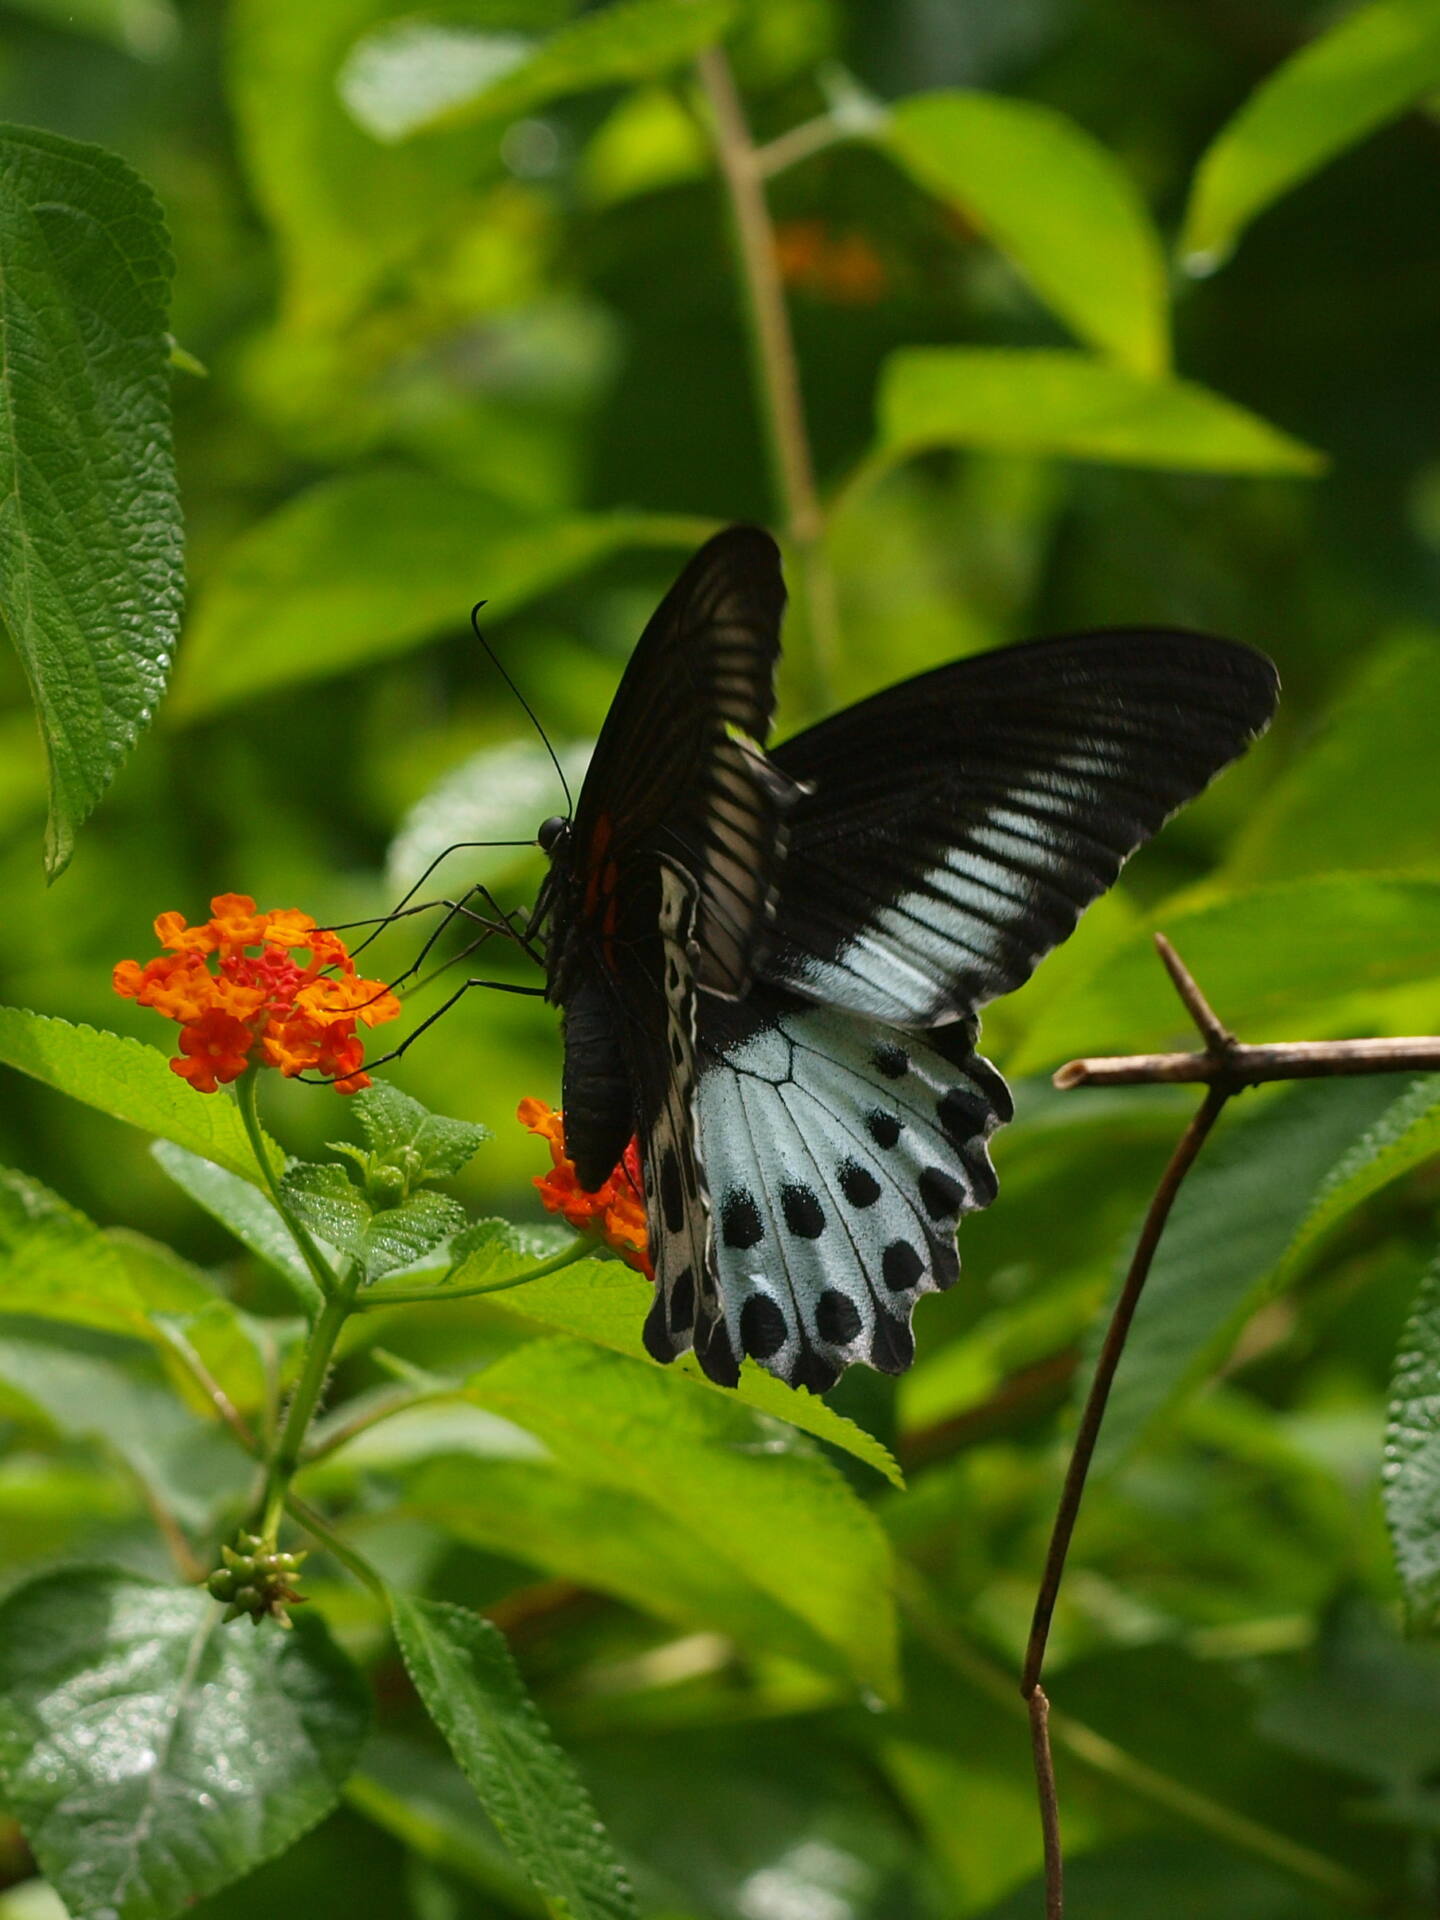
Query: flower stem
{"x":318,"y":1353}
{"x":777,"y":373}
{"x":413,"y":1296}
{"x":320,"y":1270}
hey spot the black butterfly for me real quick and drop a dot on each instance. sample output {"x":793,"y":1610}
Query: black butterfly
{"x":770,"y":964}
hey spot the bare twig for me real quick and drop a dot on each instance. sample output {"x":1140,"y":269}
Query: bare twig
{"x":1224,"y":1067}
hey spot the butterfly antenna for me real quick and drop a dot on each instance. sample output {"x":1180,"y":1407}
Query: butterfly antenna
{"x":534,"y":721}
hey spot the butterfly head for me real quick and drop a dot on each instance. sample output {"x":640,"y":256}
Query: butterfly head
{"x":554,"y":835}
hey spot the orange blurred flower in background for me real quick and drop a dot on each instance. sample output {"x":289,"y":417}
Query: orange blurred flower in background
{"x":615,"y":1211}
{"x":258,"y":1005}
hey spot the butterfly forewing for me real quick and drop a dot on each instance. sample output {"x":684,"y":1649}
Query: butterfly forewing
{"x":956,"y":826}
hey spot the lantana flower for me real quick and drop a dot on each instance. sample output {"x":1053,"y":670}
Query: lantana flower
{"x":615,"y":1211}
{"x":243,"y":998}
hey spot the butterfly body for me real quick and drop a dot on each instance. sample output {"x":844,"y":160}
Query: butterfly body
{"x":770,"y":964}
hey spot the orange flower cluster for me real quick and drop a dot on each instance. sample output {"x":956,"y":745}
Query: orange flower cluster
{"x":615,"y":1211}
{"x":258,"y":1006}
{"x":842,"y":268}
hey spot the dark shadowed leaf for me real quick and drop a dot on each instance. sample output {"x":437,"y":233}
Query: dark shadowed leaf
{"x":1412,"y":1457}
{"x":90,"y":538}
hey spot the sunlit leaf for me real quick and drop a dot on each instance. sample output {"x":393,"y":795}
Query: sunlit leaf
{"x":769,"y":1528}
{"x":1412,"y":1457}
{"x":1375,"y":63}
{"x":1013,"y":400}
{"x":248,"y":1212}
{"x":464,"y":1673}
{"x":1277,"y":963}
{"x":145,"y":28}
{"x":1056,"y":202}
{"x":130,"y":1081}
{"x":417,"y":74}
{"x":372,"y":564}
{"x":151,"y":1755}
{"x":604,"y":1301}
{"x":649,"y":141}
{"x":1230,"y":1226}
{"x":498,"y":794}
{"x":90,"y":539}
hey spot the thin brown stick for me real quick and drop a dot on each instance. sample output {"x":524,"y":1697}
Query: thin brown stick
{"x":1039,"y":1707}
{"x":1251,"y":1066}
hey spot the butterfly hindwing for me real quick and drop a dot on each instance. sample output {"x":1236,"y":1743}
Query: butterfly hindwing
{"x":840,"y":1157}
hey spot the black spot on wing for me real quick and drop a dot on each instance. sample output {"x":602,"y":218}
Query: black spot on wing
{"x":740,"y":1222}
{"x":858,"y":1184}
{"x":804,"y":1215}
{"x":672,"y":1192}
{"x":940,"y":1193}
{"x":837,"y":1319}
{"x":963,"y":1114}
{"x":892,"y":1347}
{"x":682,"y":1302}
{"x":763,"y":1330}
{"x":901,"y":1266}
{"x":656,"y":1334}
{"x":814,"y":1372}
{"x":883,"y":1128}
{"x":891,"y":1060}
{"x":716,"y":1355}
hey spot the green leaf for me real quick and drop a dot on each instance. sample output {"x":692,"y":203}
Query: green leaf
{"x":1274,"y":962}
{"x":1069,"y":406}
{"x":472,"y":1689}
{"x":418,"y":74}
{"x":724,"y":1516}
{"x":604,"y":1301}
{"x":1411,"y":1477}
{"x":58,"y":1265}
{"x":152,"y":1756}
{"x":248,"y":1213}
{"x":500,"y":793}
{"x":1405,"y":1136}
{"x":381,"y":1238}
{"x":130,"y":1081}
{"x":147,"y":29}
{"x":1375,"y":63}
{"x":1377,"y":738}
{"x":1231,"y":1224}
{"x":371,"y":564}
{"x":397,"y":1126}
{"x":90,"y":538}
{"x":1057,"y":203}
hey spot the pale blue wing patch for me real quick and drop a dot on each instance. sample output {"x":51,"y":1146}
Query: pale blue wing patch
{"x":840,"y":1157}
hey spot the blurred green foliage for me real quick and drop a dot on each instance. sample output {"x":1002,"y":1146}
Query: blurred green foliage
{"x":1091,"y":332}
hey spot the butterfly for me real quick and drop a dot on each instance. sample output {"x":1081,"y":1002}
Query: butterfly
{"x":770,"y":961}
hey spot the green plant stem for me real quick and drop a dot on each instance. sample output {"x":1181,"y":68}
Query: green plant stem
{"x":320,"y":1270}
{"x":777,"y":372}
{"x":1145,"y":1782}
{"x":285,"y":1459}
{"x":414,"y":1296}
{"x":321,"y":1530}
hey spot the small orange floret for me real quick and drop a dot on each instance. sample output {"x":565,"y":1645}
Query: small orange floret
{"x":259,"y":1005}
{"x":615,"y":1211}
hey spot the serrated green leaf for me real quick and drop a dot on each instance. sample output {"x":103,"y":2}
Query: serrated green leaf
{"x":1231,"y":1224}
{"x":329,"y":1203}
{"x":1274,"y":962}
{"x":413,"y":75}
{"x":471,"y":1687}
{"x":605,"y":1301}
{"x":153,"y":1756}
{"x":248,"y":1213}
{"x":1376,"y":738}
{"x":371,"y":564}
{"x":769,"y":1534}
{"x":399,"y":1236}
{"x":1053,"y":199}
{"x":393,"y":1121}
{"x":1411,"y":1477}
{"x":380,"y":1238}
{"x":130,"y":1081}
{"x":1375,"y":63}
{"x":1405,"y":1136}
{"x":56,"y":1264}
{"x":90,"y":538}
{"x":1041,"y":401}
